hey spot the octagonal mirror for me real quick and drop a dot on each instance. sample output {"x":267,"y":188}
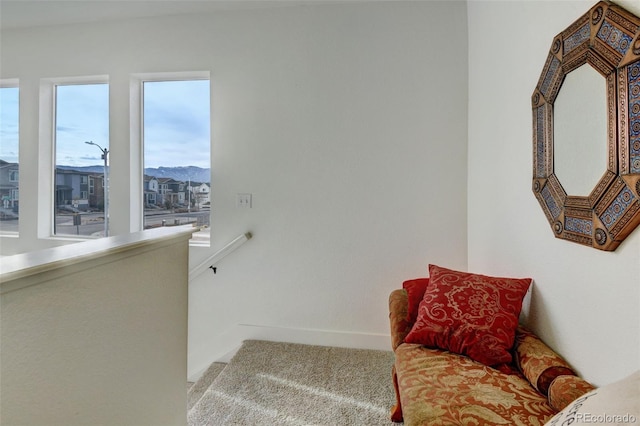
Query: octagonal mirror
{"x":586,"y":140}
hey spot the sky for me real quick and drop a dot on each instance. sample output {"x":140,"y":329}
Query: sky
{"x":9,"y":124}
{"x":176,"y":124}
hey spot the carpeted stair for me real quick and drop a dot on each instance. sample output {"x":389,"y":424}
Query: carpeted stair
{"x":197,"y":389}
{"x":272,"y":383}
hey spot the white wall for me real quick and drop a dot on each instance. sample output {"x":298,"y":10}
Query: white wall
{"x":585,"y":302}
{"x":347,"y":123}
{"x":96,"y":333}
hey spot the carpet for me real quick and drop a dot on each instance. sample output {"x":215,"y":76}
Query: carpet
{"x":273,"y":383}
{"x":196,"y":390}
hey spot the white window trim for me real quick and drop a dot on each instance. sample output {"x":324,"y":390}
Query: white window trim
{"x":10,"y":83}
{"x":137,"y":137}
{"x":46,"y":151}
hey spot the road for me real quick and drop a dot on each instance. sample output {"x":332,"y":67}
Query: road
{"x":93,"y":223}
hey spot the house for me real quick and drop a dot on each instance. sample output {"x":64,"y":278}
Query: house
{"x":82,"y":189}
{"x":179,"y":191}
{"x":96,"y":191}
{"x":200,"y":194}
{"x":374,"y":137}
{"x":72,"y":190}
{"x":164,"y":191}
{"x":151,"y":191}
{"x":9,"y":190}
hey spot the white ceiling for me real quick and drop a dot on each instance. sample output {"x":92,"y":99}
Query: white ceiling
{"x":31,"y":13}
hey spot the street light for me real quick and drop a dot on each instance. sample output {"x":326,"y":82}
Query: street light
{"x":105,"y":153}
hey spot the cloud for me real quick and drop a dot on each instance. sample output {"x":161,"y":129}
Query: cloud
{"x":63,"y":129}
{"x":176,"y":123}
{"x":82,"y":114}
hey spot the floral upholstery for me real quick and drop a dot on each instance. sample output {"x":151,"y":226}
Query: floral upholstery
{"x":566,"y":389}
{"x":537,"y":361}
{"x":441,"y":388}
{"x":400,"y":326}
{"x":616,"y":403}
{"x":396,"y":410}
{"x":438,"y":387}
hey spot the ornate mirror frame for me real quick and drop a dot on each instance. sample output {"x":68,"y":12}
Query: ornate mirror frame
{"x":607,"y":38}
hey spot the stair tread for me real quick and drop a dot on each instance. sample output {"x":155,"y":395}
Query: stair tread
{"x":197,"y":389}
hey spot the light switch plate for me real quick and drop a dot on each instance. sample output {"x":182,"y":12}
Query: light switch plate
{"x":243,"y":201}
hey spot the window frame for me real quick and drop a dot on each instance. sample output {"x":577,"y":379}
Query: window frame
{"x":45,"y":222}
{"x":47,"y":152}
{"x":14,"y":83}
{"x":137,"y":138}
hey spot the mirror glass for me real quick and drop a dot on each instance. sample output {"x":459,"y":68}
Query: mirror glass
{"x":580,"y":131}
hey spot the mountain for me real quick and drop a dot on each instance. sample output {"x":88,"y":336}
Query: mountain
{"x":86,"y":169}
{"x":186,"y":173}
{"x":183,"y":173}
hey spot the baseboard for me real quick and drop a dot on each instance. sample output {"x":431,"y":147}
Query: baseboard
{"x":229,"y":343}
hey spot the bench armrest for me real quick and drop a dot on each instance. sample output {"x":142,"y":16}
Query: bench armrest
{"x":398,"y":317}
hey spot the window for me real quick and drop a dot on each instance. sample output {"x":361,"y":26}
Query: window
{"x":81,"y":151}
{"x":176,"y":139}
{"x":9,"y":167}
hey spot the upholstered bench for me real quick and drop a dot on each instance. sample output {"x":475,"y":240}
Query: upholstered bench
{"x":438,"y":381}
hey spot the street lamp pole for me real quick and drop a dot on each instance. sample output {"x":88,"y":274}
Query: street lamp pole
{"x":105,"y":182}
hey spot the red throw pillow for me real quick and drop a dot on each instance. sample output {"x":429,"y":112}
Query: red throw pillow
{"x":470,"y":314}
{"x":415,"y":291}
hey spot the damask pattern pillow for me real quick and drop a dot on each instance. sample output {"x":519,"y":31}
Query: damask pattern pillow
{"x":470,"y":314}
